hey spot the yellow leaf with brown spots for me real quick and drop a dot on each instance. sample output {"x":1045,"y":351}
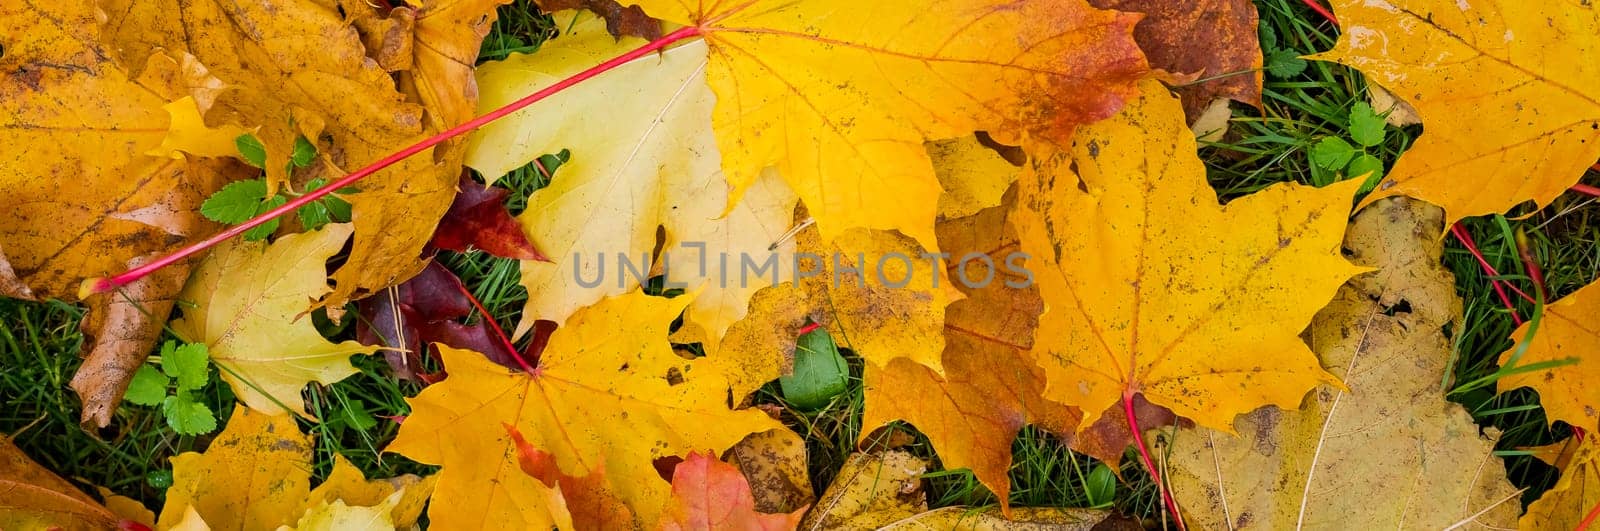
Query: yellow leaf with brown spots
{"x":841,"y":95}
{"x":1522,"y":68}
{"x":608,"y":394}
{"x":1151,"y":286}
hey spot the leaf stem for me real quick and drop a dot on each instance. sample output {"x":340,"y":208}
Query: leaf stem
{"x":1321,"y":10}
{"x":1460,"y":232}
{"x":498,"y":332}
{"x":1585,"y":189}
{"x":1149,"y":464}
{"x":104,"y":284}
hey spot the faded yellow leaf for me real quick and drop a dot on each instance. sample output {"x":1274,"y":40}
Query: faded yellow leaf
{"x":608,"y":394}
{"x":840,"y":96}
{"x":1522,"y":68}
{"x":250,"y":309}
{"x":336,"y":516}
{"x":870,"y":492}
{"x":1152,"y":287}
{"x":1389,"y":452}
{"x":1569,"y":336}
{"x":347,"y":484}
{"x":643,"y":157}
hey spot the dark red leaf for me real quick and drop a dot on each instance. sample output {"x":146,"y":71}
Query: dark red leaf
{"x":424,"y":310}
{"x":478,"y":219}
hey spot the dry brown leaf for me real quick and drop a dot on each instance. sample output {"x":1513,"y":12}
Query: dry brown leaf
{"x":774,"y":462}
{"x":1021,"y":519}
{"x":620,"y":21}
{"x":871,"y":491}
{"x":1213,"y":39}
{"x":1391,"y":452}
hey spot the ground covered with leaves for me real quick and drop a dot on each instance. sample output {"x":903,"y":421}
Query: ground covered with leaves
{"x":1383,"y":320}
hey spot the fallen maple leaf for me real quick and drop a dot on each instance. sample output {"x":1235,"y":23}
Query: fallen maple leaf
{"x":1141,"y":296}
{"x":1213,"y":39}
{"x":576,"y":503}
{"x":643,"y":157}
{"x":974,"y":176}
{"x":871,"y":491}
{"x":1389,"y":452}
{"x":448,"y":36}
{"x":710,"y":494}
{"x":840,"y":97}
{"x":873,"y":289}
{"x":84,"y":195}
{"x":295,"y":68}
{"x":775,"y":463}
{"x":423,"y":311}
{"x":256,"y":475}
{"x":249,"y":309}
{"x":1569,"y":392}
{"x":608,"y":394}
{"x":991,"y":388}
{"x":32,"y":497}
{"x":1573,"y":498}
{"x":478,"y":219}
{"x":1518,"y":66}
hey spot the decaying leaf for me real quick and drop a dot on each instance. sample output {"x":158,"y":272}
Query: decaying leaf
{"x":83,"y":196}
{"x":257,"y":475}
{"x":1389,"y":452}
{"x":577,"y":503}
{"x":877,"y":292}
{"x":250,"y":302}
{"x":608,"y":394}
{"x":448,"y":35}
{"x":991,"y":387}
{"x":871,"y":491}
{"x":1141,"y":295}
{"x":1021,"y":519}
{"x":32,"y":497}
{"x":296,"y":68}
{"x":1520,"y":66}
{"x":478,"y":219}
{"x":1569,"y":392}
{"x":336,"y":516}
{"x":841,"y":96}
{"x":711,"y":494}
{"x":775,"y":464}
{"x":1573,"y":498}
{"x":643,"y":157}
{"x":1212,"y":39}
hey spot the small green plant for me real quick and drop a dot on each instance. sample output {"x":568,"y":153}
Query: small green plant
{"x":239,"y":201}
{"x":1280,"y":62}
{"x":184,"y":371}
{"x":1343,"y":159}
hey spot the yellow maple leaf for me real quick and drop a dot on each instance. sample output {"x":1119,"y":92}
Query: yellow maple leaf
{"x":840,"y":96}
{"x":1523,"y":70}
{"x":609,"y":394}
{"x":876,"y":291}
{"x":1573,"y":497}
{"x":643,"y":157}
{"x":1569,"y":392}
{"x":1152,"y":287}
{"x":1390,"y":452}
{"x":250,"y":311}
{"x":295,"y":68}
{"x":257,"y":475}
